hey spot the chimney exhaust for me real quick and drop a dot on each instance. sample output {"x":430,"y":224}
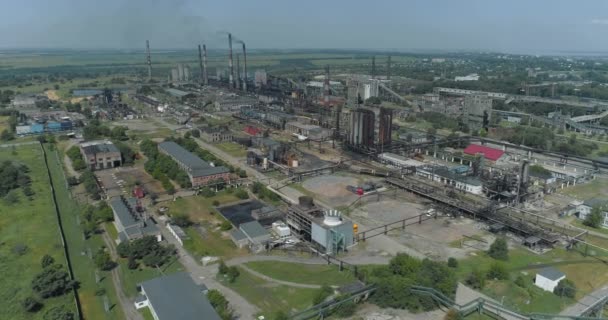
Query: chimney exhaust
{"x":231,"y":76}
{"x":148,"y":60}
{"x":205,"y":72}
{"x":244,"y":68}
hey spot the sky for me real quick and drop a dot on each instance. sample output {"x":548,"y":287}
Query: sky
{"x":521,"y":26}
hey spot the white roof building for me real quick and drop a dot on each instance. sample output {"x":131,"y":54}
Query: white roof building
{"x":548,"y":278}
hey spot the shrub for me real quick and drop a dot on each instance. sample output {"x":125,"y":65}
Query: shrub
{"x":52,"y":281}
{"x":58,"y":313}
{"x":565,"y":288}
{"x":103,"y":261}
{"x":242,"y":194}
{"x":46,"y":261}
{"x":215,"y":203}
{"x":132,"y":265}
{"x":497,"y":271}
{"x":322,"y":294}
{"x":499,"y":250}
{"x":452,"y":263}
{"x":181,"y":220}
{"x":226,"y":225}
{"x":476,"y":279}
{"x":30,"y":304}
{"x":520,"y":281}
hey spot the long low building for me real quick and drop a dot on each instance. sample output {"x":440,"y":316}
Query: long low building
{"x":175,"y":296}
{"x":130,"y":223}
{"x":200,"y":172}
{"x":444,"y":175}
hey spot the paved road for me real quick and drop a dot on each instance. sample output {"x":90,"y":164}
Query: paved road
{"x":127,"y":305}
{"x":584,"y":303}
{"x":206,"y":275}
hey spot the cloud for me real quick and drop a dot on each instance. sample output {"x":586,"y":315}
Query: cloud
{"x":599,"y":21}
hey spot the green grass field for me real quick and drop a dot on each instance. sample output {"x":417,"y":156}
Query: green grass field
{"x":212,"y":244}
{"x":233,"y":149}
{"x":84,"y":268}
{"x":587,"y":273}
{"x":304,"y":273}
{"x":270,"y":297}
{"x":595,"y":188}
{"x":32,"y":223}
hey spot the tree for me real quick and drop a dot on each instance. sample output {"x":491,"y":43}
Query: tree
{"x":452,"y":262}
{"x":225,"y":225}
{"x":124,"y":249}
{"x":322,"y":294}
{"x":132,"y":264}
{"x":30,"y":304}
{"x":232,"y":274}
{"x":6,"y":135}
{"x":499,"y":249}
{"x":46,"y":261}
{"x":497,"y":271}
{"x":594,"y":218}
{"x":196,"y":133}
{"x":103,"y":261}
{"x":220,"y":304}
{"x":222,"y":268}
{"x":11,"y":197}
{"x":103,"y":213}
{"x":28,"y":192}
{"x":476,"y":279}
{"x":58,"y":313}
{"x":181,"y":220}
{"x":520,"y":281}
{"x":52,"y":281}
{"x":565,"y":288}
{"x":242,"y":194}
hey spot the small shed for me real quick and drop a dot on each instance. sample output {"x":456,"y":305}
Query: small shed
{"x":548,"y":278}
{"x":255,"y":233}
{"x":239,"y":238}
{"x":531,"y":242}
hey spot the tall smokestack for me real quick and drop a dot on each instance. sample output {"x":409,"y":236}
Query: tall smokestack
{"x":231,"y":76}
{"x":238,"y":72}
{"x":244,"y":68}
{"x":326,"y":87}
{"x":148,"y":60}
{"x":200,"y":63}
{"x":373,"y":67}
{"x":205,"y":72}
{"x":388,"y":68}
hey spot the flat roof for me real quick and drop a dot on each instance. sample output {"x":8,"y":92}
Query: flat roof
{"x":196,"y":166}
{"x":253,"y":229}
{"x":122,"y":212}
{"x":94,"y":147}
{"x":176,"y":296}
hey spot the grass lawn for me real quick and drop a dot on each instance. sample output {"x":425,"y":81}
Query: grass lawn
{"x":595,"y":188}
{"x":270,"y":297}
{"x":587,"y":273}
{"x":213,"y":243}
{"x":306,"y":273}
{"x":4,"y":123}
{"x":579,"y":223}
{"x":84,"y":267}
{"x":233,"y":149}
{"x":200,"y":208}
{"x":145,"y":312}
{"x":32,"y":223}
{"x":130,"y":278}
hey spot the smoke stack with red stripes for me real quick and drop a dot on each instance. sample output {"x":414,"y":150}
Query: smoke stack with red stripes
{"x":205,"y":72}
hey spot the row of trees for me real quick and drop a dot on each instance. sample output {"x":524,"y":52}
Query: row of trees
{"x":148,"y":250}
{"x":262,"y":192}
{"x":163,"y":168}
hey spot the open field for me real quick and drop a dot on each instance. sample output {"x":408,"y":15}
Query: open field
{"x":233,"y":149}
{"x":211,"y":242}
{"x":4,"y":125}
{"x":306,"y":273}
{"x":270,"y":297}
{"x":587,"y":273}
{"x":200,"y":208}
{"x":84,"y":267}
{"x":32,"y":223}
{"x":595,"y":188}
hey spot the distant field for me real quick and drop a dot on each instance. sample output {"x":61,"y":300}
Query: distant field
{"x":32,"y":223}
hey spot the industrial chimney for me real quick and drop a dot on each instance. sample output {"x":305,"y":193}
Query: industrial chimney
{"x":200,"y":63}
{"x":326,"y":87}
{"x":244,"y":68}
{"x":388,"y":68}
{"x":205,"y":72}
{"x":373,"y":67}
{"x":237,"y":79}
{"x":148,"y":60}
{"x":231,"y":76}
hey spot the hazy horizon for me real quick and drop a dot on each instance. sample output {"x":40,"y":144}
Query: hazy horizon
{"x":518,"y":26}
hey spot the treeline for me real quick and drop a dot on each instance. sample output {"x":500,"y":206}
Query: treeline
{"x":147,"y":250}
{"x":163,"y":168}
{"x":394,"y":281}
{"x":12,"y":177}
{"x":544,"y":138}
{"x":95,"y":130}
{"x":440,"y":120}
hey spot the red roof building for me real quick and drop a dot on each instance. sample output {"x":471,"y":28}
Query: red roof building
{"x":489,"y":153}
{"x":139,"y":192}
{"x":251,"y":130}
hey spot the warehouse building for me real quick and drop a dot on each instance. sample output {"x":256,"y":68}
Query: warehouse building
{"x":101,"y":154}
{"x":131,"y":222}
{"x":214,"y":135}
{"x":200,"y":172}
{"x":175,"y":296}
{"x":449,"y":178}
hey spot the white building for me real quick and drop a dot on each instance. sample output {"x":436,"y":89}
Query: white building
{"x":370,"y":89}
{"x":178,"y":233}
{"x":399,"y":161}
{"x":445,"y":176}
{"x":548,"y":278}
{"x":470,"y":77}
{"x":585,"y":208}
{"x":281,"y":229}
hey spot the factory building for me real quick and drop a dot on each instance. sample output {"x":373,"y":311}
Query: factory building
{"x":488,"y":153}
{"x":477,"y":111}
{"x":260,"y":78}
{"x":100,"y":155}
{"x":215,"y":135}
{"x":200,"y":172}
{"x":384,"y":126}
{"x":131,"y":221}
{"x":370,"y":89}
{"x":328,"y":231}
{"x":361,"y":128}
{"x":233,"y":103}
{"x":451,"y":179}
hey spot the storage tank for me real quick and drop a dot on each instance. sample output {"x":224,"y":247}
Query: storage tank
{"x":361,"y":128}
